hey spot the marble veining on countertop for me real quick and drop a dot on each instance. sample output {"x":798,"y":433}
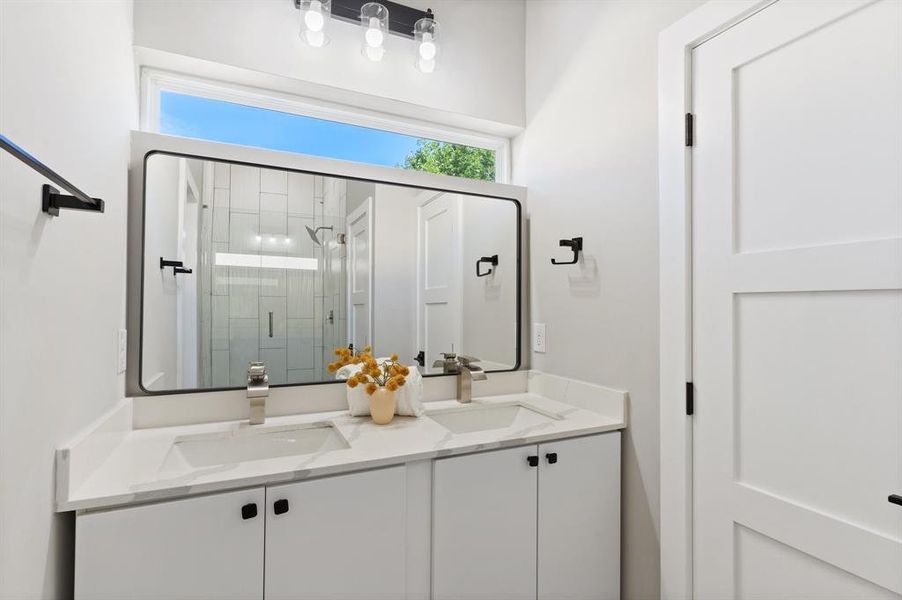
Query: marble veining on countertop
{"x":137,"y":467}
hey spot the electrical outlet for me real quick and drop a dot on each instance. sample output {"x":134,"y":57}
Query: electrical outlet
{"x":123,"y":350}
{"x":538,"y":337}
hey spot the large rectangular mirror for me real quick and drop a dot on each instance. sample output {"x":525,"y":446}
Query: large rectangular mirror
{"x":244,"y":262}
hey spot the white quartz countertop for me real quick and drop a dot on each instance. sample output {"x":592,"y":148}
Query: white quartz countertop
{"x":138,"y":466}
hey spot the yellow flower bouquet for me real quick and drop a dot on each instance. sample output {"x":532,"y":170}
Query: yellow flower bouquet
{"x":380,"y":380}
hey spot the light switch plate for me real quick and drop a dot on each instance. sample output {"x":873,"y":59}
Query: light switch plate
{"x":123,"y":350}
{"x":538,"y":337}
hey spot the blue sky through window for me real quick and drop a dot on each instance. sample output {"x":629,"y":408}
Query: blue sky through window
{"x":219,"y":121}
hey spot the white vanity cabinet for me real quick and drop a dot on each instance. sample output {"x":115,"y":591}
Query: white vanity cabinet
{"x":346,"y":536}
{"x":536,"y":522}
{"x":484,"y":525}
{"x":205,"y":547}
{"x":529,"y":522}
{"x":579,"y":518}
{"x":337,"y":537}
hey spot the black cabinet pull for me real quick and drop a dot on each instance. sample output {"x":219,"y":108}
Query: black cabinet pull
{"x":551,"y":457}
{"x":280,"y":506}
{"x":532,"y":461}
{"x":249,"y":511}
{"x":895,"y":499}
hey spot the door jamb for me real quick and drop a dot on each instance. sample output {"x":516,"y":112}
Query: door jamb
{"x":675,"y":45}
{"x":367,"y":207}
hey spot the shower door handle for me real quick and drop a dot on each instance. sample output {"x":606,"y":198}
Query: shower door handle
{"x":270,"y":323}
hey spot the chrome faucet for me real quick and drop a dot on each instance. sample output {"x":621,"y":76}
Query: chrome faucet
{"x":466,"y":372}
{"x":257,"y":391}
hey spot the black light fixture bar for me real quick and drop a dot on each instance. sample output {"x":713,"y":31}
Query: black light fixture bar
{"x":51,"y":198}
{"x":400,"y":18}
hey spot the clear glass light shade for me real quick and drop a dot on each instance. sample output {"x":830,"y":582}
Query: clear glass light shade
{"x":374,"y":22}
{"x":315,"y":21}
{"x":426,"y":38}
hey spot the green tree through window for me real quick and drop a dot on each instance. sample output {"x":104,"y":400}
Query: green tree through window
{"x":451,"y":159}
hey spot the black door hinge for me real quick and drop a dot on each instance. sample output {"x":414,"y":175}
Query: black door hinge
{"x":690,"y":129}
{"x":690,"y":398}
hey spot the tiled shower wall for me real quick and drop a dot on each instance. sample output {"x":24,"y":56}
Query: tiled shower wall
{"x":265,"y":211}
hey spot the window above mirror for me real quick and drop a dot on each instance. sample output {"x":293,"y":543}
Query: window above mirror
{"x":220,"y":112}
{"x":220,"y":121}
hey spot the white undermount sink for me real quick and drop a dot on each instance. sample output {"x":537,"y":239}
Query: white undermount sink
{"x":221,"y":448}
{"x":471,"y":418}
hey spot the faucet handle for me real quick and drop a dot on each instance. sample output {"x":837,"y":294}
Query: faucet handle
{"x":449,"y":364}
{"x":256,"y":370}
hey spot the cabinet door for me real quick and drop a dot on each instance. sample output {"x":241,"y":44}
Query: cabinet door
{"x":579,"y":518}
{"x":484,"y":526}
{"x":206,"y":547}
{"x":337,"y":537}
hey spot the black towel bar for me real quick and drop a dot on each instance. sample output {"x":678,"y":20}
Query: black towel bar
{"x":178,"y":267}
{"x":51,"y":198}
{"x":575,"y":244}
{"x":492,"y":260}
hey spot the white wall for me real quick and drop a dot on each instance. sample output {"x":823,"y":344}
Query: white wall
{"x":395,"y":271}
{"x":588,"y":156}
{"x":159,"y":356}
{"x":489,"y":304}
{"x":67,"y":96}
{"x":480,"y":71}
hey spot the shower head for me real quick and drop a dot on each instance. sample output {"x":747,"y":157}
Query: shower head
{"x":313,"y":234}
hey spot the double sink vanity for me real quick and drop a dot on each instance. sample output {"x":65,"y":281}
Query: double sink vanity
{"x":511,"y":496}
{"x":245,"y":261}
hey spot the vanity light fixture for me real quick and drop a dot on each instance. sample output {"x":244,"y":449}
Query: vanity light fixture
{"x":315,"y":16}
{"x":425,"y":34}
{"x":377,"y":20}
{"x":374,"y":21}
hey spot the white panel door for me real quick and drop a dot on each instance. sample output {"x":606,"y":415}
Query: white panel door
{"x":360,"y":275}
{"x":337,"y":537}
{"x":198,"y":548}
{"x":579,"y":519}
{"x":484,"y":526}
{"x":797,"y":303}
{"x":439,"y":278}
